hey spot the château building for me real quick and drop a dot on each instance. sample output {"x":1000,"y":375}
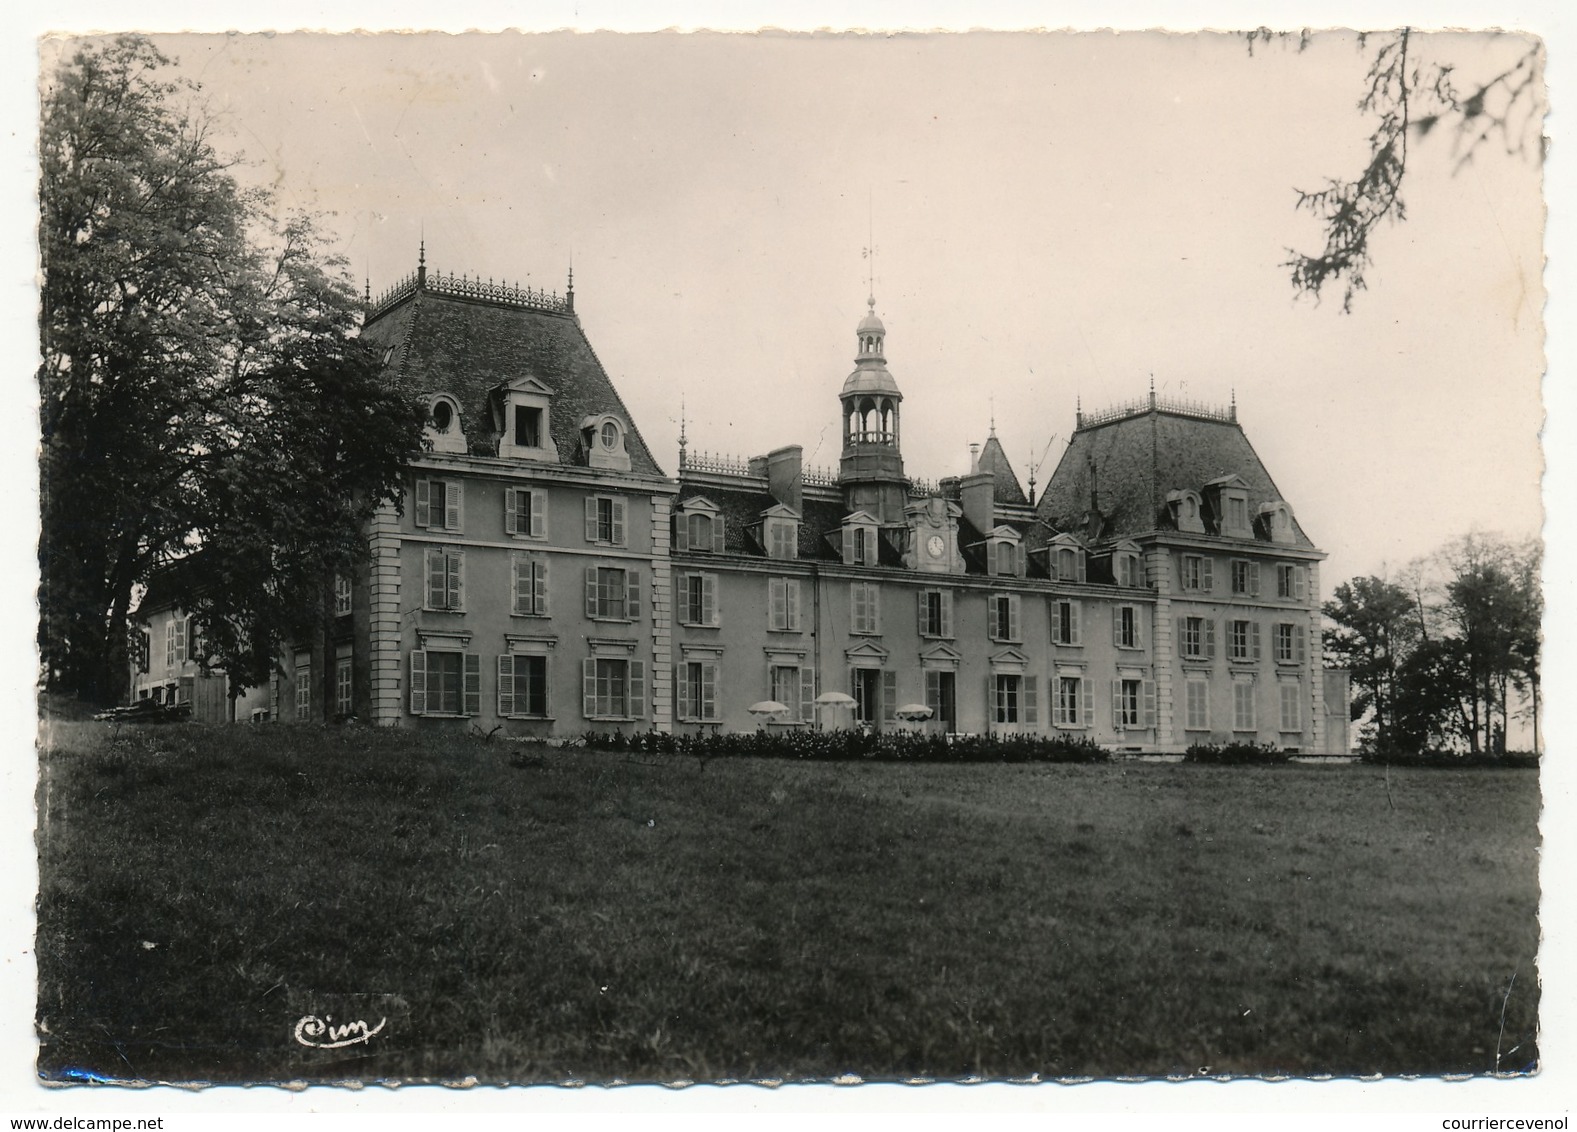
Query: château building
{"x":545,"y":576}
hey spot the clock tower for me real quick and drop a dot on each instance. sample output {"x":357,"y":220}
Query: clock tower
{"x":933,"y":536}
{"x":870,"y":471}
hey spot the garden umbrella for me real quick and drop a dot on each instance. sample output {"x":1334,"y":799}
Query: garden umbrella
{"x":913,"y":712}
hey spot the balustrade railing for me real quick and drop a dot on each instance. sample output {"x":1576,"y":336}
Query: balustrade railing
{"x":466,"y":287}
{"x":1141,"y":405}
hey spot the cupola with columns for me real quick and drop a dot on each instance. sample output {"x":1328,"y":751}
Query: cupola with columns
{"x":871,"y":468}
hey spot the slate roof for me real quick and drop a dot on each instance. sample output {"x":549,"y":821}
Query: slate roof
{"x":741,"y":509}
{"x":1005,"y":485}
{"x":1138,"y":459}
{"x":469,"y":347}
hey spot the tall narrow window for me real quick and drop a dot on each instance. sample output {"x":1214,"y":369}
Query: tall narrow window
{"x":1291,"y":706}
{"x":1243,"y":706}
{"x":522,"y":685}
{"x":1198,"y":706}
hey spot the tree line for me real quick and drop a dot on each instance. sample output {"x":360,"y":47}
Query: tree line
{"x":204,"y":398}
{"x":1446,"y":653}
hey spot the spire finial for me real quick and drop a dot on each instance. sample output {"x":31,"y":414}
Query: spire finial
{"x":993,"y":404}
{"x":683,"y":443}
{"x":421,"y":259}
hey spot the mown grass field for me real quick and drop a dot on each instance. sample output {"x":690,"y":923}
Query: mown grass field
{"x":576,"y":915}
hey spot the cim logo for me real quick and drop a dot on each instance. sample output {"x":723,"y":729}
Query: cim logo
{"x":321,"y":1033}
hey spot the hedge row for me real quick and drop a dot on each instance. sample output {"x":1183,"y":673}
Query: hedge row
{"x":1235,"y":754}
{"x":905,"y":746}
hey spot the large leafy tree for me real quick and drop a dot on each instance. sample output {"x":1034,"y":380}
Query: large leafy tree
{"x":1372,"y":629}
{"x":199,"y":370}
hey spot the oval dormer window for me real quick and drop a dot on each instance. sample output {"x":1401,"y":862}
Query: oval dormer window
{"x":443,"y":416}
{"x":610,"y":435}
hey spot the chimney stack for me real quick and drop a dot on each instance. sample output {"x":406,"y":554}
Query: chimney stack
{"x":783,"y":476}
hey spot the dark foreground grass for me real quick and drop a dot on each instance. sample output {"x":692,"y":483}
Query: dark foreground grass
{"x":580,"y":915}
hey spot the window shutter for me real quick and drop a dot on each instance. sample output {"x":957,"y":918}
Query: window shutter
{"x":512,"y":510}
{"x":709,"y":599}
{"x":1013,"y":617}
{"x":921,"y":602}
{"x":947,"y":613}
{"x":539,"y":586}
{"x":993,"y":702}
{"x":848,"y":547}
{"x":521,"y":584}
{"x":1087,"y":695}
{"x":860,"y":609}
{"x":889,"y":695}
{"x":1301,"y":581}
{"x":708,"y":691}
{"x":1210,"y":637}
{"x":632,"y":594}
{"x":418,"y":682}
{"x":682,"y":692}
{"x":454,"y":504}
{"x":1207,"y":572}
{"x":618,"y":522}
{"x":717,"y":534}
{"x":424,"y":503}
{"x":539,"y":514}
{"x":1117,"y":625}
{"x":993,"y":617}
{"x":1253,"y":636}
{"x":506,"y":684}
{"x":1075,"y":636}
{"x":874,"y":597}
{"x":638,"y":689}
{"x":591,"y":591}
{"x":1138,"y":629}
{"x":169,"y":644}
{"x":454,"y":561}
{"x":991,"y":557}
{"x":1253,"y":579}
{"x":681,"y":532}
{"x":1079,"y":565}
{"x":588,"y":686}
{"x":437,"y":581}
{"x":933,"y":691}
{"x":1031,"y":713}
{"x":473,"y":684}
{"x":807,"y":695}
{"x":791,"y":594}
{"x":1149,"y":703}
{"x":1298,"y":649}
{"x":777,"y":603}
{"x":179,"y":625}
{"x":1117,"y":704}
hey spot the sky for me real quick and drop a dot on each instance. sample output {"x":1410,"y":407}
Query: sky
{"x":1055,"y":218}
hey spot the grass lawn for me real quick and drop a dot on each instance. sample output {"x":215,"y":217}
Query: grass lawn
{"x":578,"y":915}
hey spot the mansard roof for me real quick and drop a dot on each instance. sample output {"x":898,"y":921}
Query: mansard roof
{"x":468,"y":341}
{"x":742,"y":508}
{"x":1139,"y":457}
{"x":1004,"y":486}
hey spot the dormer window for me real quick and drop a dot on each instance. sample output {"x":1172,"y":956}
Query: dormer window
{"x":1127,"y":566}
{"x":522,"y":410}
{"x":698,"y":527}
{"x":859,"y":540}
{"x":1229,"y":500}
{"x":1004,"y":555}
{"x":603,"y":439}
{"x":780,"y":531}
{"x":443,"y":424}
{"x":1275,"y":521}
{"x":1066,"y":558}
{"x":1187,"y":513}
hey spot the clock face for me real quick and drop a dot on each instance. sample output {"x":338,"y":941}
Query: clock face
{"x":935,"y":546}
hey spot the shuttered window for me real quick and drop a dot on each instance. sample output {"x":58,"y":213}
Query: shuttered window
{"x":1292,"y":706}
{"x":613,"y":688}
{"x":864,"y":608}
{"x":528,"y":585}
{"x":522,"y":685}
{"x":935,"y":610}
{"x":445,"y":579}
{"x":1197,"y":713}
{"x":605,"y":520}
{"x":783,"y":605}
{"x":695,"y":691}
{"x":445,"y":683}
{"x":440,"y":504}
{"x":613,"y":593}
{"x":526,"y":512}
